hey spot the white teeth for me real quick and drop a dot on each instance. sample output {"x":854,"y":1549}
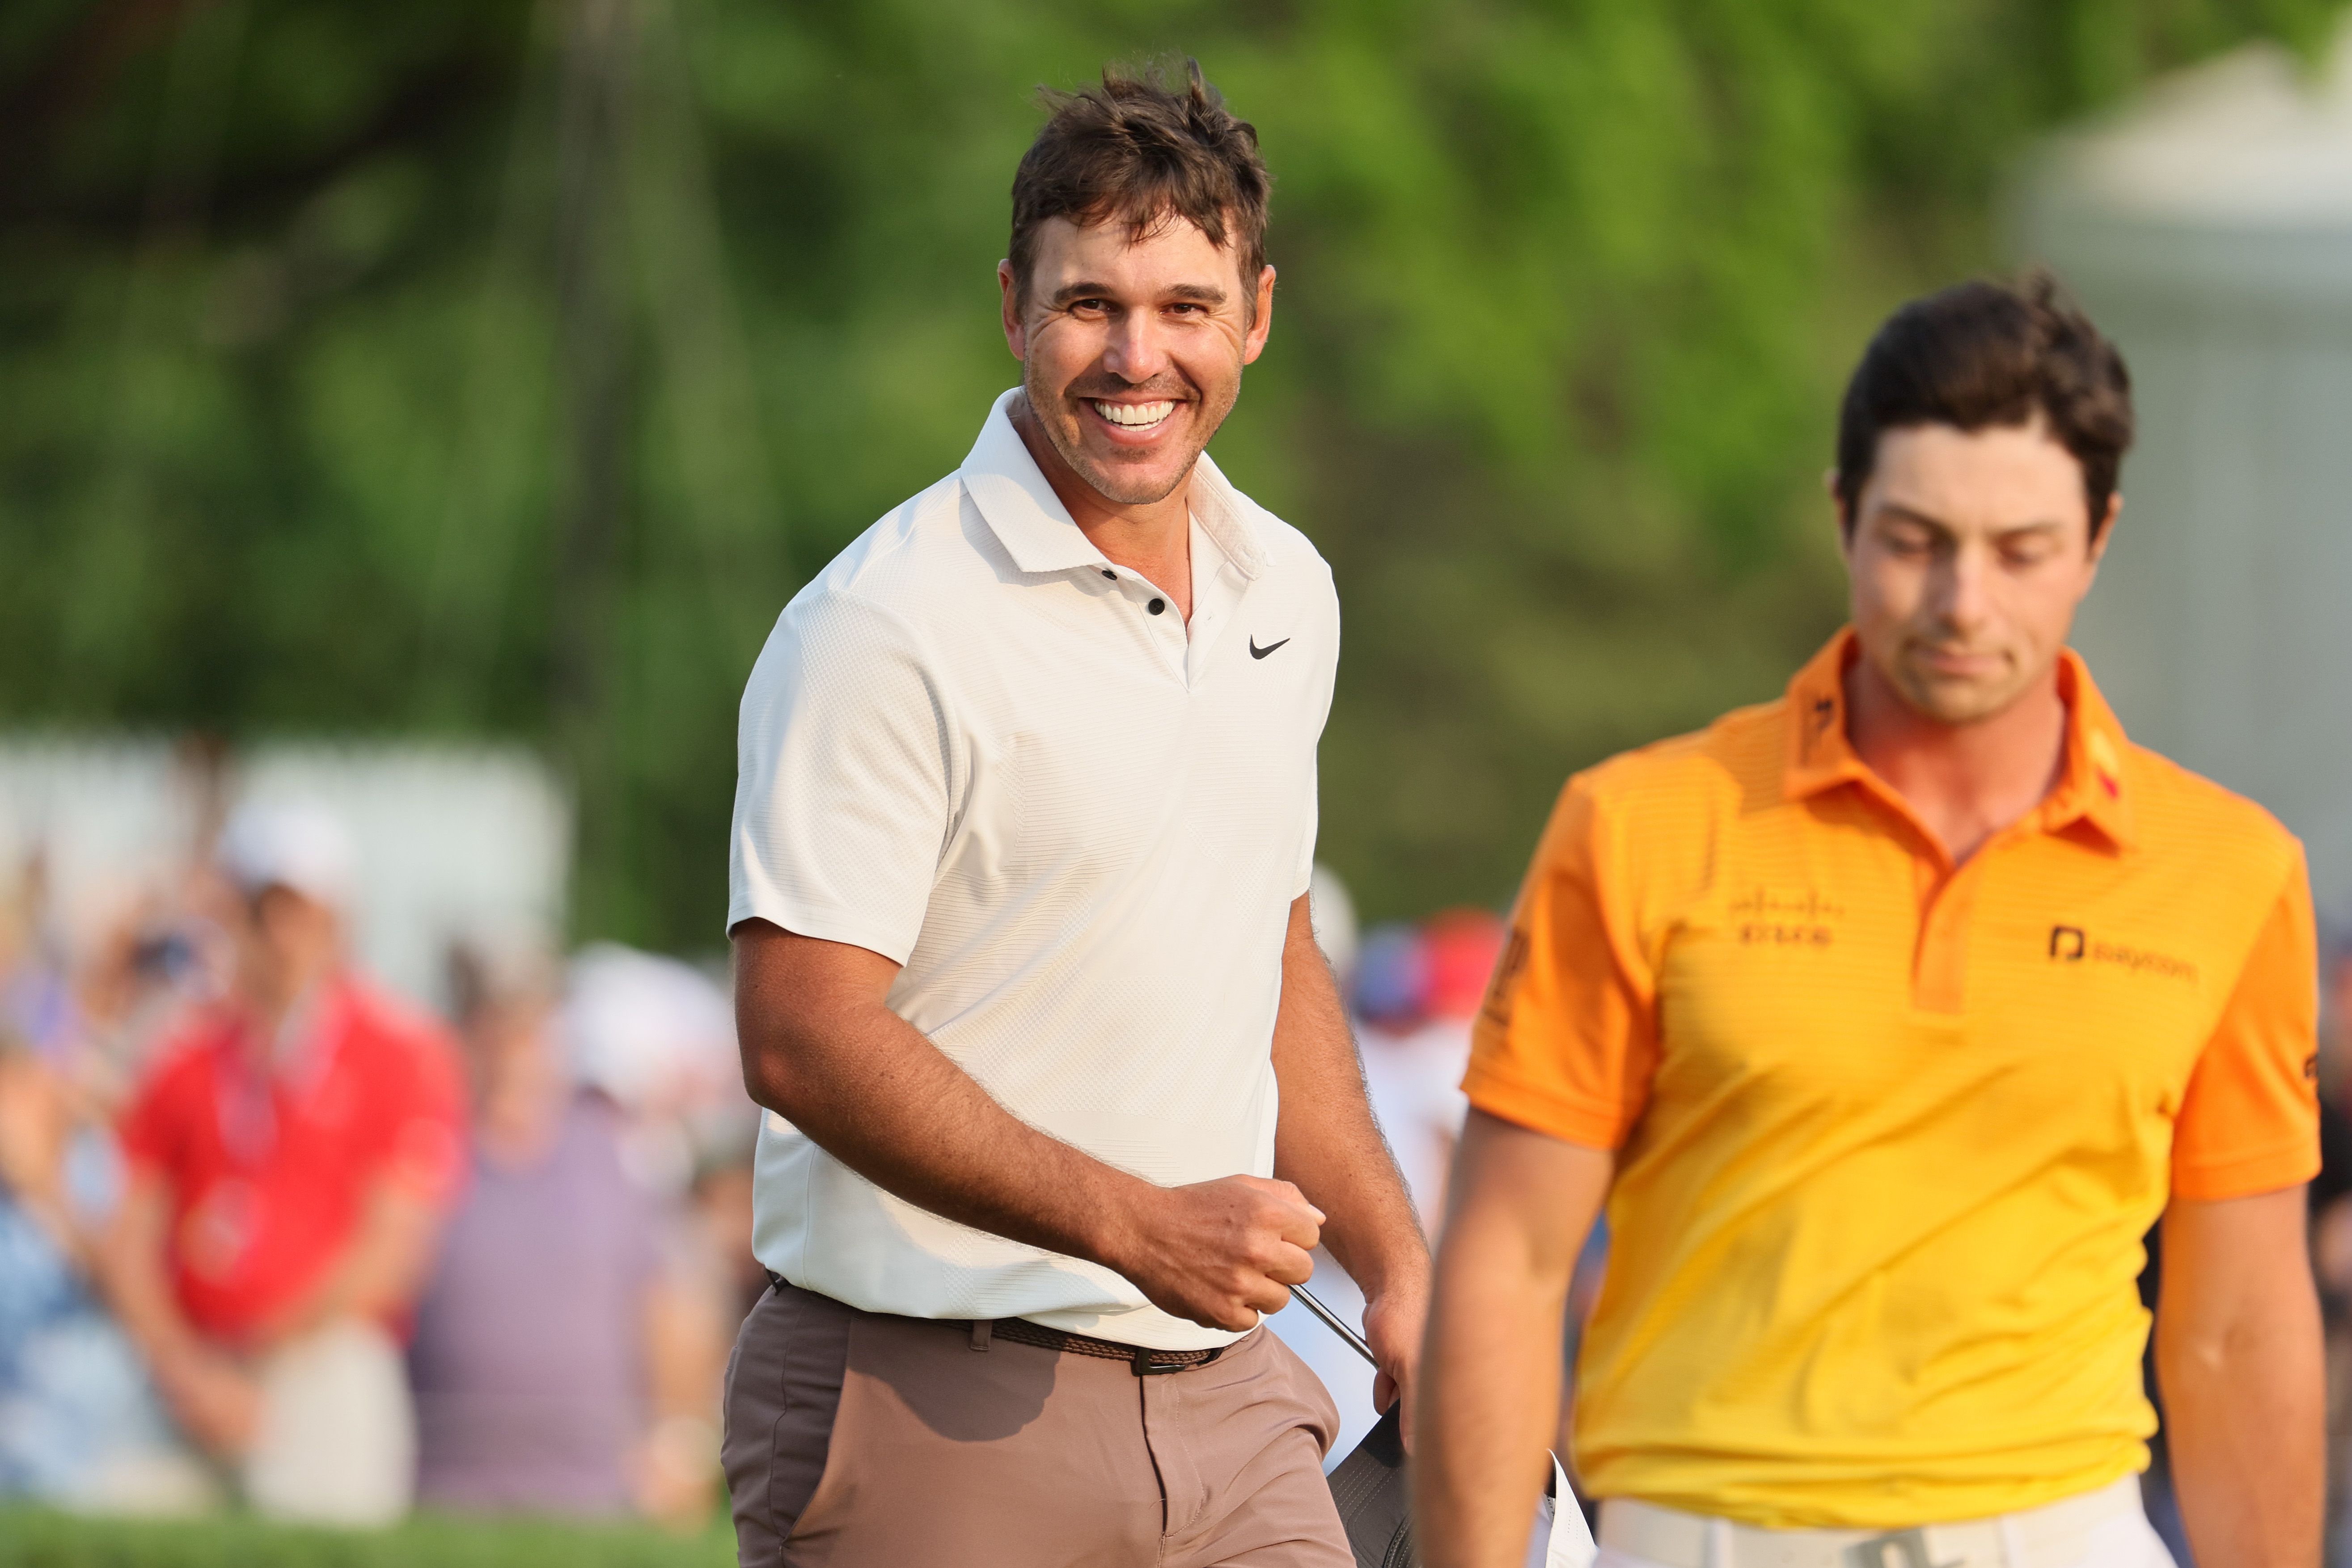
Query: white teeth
{"x":1135,"y":416}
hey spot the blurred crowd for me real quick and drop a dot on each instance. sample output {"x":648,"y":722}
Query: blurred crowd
{"x":273,"y":1236}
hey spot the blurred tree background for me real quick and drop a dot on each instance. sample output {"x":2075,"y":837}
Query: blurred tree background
{"x":501,"y":366}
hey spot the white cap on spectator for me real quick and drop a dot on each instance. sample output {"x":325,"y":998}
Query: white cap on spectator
{"x":294,"y":844}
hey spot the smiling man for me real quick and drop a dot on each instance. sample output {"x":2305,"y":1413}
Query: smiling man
{"x":1063,"y":1092}
{"x":1887,"y":1018}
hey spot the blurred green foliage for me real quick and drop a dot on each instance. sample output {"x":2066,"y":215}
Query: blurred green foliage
{"x":30,"y":1538}
{"x":493,"y":366}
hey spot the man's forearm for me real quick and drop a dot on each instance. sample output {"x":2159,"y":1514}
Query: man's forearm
{"x":1325,"y":1139}
{"x":1491,"y":1375}
{"x":132,"y":1278}
{"x":381,"y":1272}
{"x":887,"y":1102}
{"x":2239,"y":1362}
{"x":2244,"y":1425}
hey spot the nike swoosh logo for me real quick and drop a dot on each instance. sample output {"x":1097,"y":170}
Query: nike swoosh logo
{"x":1257,"y":652}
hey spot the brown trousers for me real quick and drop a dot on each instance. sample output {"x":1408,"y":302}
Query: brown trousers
{"x":860,"y":1440}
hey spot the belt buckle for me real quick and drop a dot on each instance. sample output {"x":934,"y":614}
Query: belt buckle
{"x":1146,"y":1366}
{"x":1895,"y":1548}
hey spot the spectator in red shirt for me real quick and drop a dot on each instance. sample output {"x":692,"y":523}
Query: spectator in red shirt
{"x":290,"y":1155}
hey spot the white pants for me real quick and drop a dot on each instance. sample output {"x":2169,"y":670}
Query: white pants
{"x":338,"y":1439}
{"x":2126,"y":1540}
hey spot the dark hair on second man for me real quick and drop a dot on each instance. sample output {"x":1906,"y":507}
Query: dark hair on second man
{"x":1984,"y":354}
{"x":1140,"y":151}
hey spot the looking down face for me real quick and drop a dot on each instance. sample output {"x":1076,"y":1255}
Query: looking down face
{"x":1967,"y":555}
{"x":1132,"y":351}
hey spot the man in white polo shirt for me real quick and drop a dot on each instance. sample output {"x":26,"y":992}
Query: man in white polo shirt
{"x":1062,"y":1091}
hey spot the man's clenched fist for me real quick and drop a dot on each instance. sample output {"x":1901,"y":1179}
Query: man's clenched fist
{"x":1219,"y":1252}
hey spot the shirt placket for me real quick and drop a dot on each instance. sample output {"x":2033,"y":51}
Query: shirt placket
{"x":1945,"y":896}
{"x":1164,"y":626}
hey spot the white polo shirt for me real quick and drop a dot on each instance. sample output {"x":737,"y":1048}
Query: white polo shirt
{"x":976,"y":747}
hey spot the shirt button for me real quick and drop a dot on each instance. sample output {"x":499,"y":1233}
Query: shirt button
{"x":1157,"y":605}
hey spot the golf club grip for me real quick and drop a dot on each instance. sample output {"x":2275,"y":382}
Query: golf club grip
{"x":1331,"y":1320}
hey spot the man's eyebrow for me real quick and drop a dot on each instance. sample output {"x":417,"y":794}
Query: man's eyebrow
{"x":1201,"y":294}
{"x":1902,"y":513}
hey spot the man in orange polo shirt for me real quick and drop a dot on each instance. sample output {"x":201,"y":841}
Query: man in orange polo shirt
{"x":1887,"y":1018}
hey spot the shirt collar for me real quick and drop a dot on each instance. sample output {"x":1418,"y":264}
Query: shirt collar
{"x":1029,"y":520}
{"x":2090,"y":783}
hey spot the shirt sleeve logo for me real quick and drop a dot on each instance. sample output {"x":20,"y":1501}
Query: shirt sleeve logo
{"x":1496,"y":1008}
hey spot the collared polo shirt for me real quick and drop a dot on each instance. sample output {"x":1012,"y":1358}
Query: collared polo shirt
{"x":269,"y":1168}
{"x":1889,"y":1130}
{"x":979,"y":748}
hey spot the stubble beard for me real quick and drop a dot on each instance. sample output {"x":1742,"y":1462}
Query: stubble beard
{"x":1118,"y":485}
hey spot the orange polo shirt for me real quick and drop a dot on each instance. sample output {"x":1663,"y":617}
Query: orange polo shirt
{"x":1889,"y":1132}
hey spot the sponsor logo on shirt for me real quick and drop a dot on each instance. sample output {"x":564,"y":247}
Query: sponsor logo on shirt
{"x":2072,"y":944}
{"x":1767,"y":918}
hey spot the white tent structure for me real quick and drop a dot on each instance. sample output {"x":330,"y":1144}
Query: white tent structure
{"x":453,"y":841}
{"x":2208,"y":228}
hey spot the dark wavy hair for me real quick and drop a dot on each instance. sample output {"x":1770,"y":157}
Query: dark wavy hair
{"x":1984,"y":354}
{"x":1140,"y":151}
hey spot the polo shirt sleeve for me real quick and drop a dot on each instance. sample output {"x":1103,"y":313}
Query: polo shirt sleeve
{"x":423,"y":1119}
{"x":842,"y":782}
{"x":2249,"y":1120}
{"x":1566,"y":1043}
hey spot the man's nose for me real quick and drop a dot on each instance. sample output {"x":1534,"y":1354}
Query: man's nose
{"x":1964,"y":592}
{"x":1134,"y":353}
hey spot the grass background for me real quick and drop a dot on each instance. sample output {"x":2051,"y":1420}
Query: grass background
{"x":35,"y":1537}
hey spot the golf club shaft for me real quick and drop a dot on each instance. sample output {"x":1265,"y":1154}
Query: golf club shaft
{"x":1331,"y":1320}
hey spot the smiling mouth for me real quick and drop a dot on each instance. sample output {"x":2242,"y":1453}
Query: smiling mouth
{"x":1137,"y":417}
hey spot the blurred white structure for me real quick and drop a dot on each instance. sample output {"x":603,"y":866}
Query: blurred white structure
{"x":2208,"y":228}
{"x":452,"y":841}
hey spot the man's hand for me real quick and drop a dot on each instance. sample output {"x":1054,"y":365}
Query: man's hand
{"x":1325,"y":1139}
{"x":214,"y":1398}
{"x":1394,"y":1322}
{"x":1219,"y":1252}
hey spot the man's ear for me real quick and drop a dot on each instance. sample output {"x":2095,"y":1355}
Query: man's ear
{"x":2106,"y":530}
{"x":1838,"y":507}
{"x":1261,"y":321}
{"x":1017,"y":331}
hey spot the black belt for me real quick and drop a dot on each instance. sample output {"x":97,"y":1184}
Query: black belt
{"x":1144,"y":1360}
